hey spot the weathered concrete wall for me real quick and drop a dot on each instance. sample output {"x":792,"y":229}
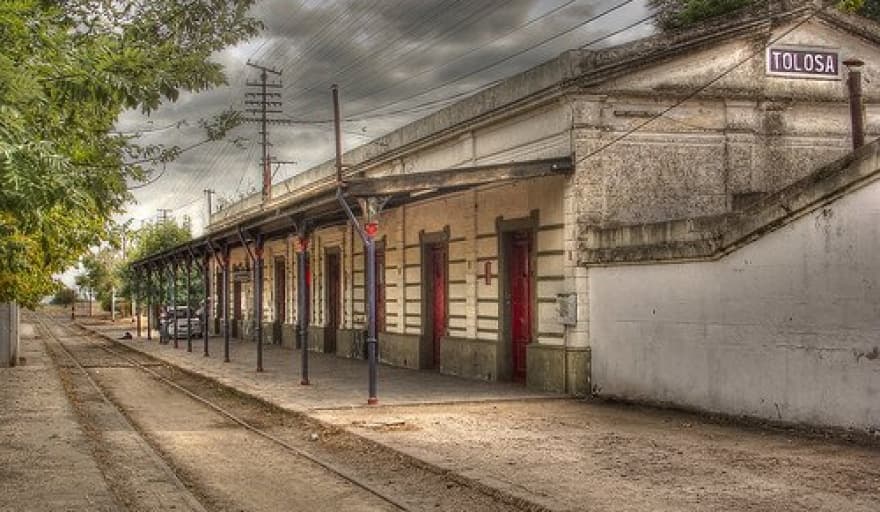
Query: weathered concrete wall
{"x":472,"y":359}
{"x":784,"y":328}
{"x":400,"y":350}
{"x":748,"y":134}
{"x":9,"y":334}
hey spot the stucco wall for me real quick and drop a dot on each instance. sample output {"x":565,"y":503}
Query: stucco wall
{"x":747,"y":134}
{"x":785,"y":328}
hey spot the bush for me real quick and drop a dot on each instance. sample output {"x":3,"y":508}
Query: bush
{"x":64,"y":297}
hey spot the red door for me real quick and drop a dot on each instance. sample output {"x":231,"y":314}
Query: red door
{"x":520,"y":284}
{"x":438,"y":297}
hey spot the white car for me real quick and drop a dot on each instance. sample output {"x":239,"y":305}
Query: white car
{"x":179,"y":314}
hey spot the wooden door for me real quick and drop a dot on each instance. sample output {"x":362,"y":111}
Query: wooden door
{"x":236,"y":307}
{"x":437,"y":267}
{"x":333,"y":305}
{"x":280,"y":298}
{"x":520,"y":286}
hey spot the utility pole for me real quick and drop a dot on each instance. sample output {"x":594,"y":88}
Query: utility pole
{"x":265,"y":103}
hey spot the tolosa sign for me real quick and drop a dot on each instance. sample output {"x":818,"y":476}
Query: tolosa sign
{"x":803,"y":62}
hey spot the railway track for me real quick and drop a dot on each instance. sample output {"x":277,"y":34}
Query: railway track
{"x":390,"y":482}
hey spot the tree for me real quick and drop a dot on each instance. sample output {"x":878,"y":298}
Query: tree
{"x":150,"y":239}
{"x":68,"y":69}
{"x":676,"y":14}
{"x":64,"y":297}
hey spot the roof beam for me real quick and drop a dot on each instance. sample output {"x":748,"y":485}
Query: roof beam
{"x":456,"y":178}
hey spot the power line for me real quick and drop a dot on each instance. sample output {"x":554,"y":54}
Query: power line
{"x":471,"y":51}
{"x":505,"y":59}
{"x":703,"y":87}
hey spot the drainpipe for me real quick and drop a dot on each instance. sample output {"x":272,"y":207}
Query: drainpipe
{"x":856,"y":108}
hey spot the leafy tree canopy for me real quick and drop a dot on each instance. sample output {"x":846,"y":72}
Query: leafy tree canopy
{"x":68,"y":69}
{"x":675,"y":14}
{"x":150,"y":239}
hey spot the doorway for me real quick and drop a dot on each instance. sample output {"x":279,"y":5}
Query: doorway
{"x":333,"y":283}
{"x":436,"y":287}
{"x":280,"y":299}
{"x":519,"y":299}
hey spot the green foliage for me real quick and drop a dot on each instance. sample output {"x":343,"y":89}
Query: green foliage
{"x":64,"y":297}
{"x":99,"y":273}
{"x":67,"y":71}
{"x":676,"y":14}
{"x":150,"y":239}
{"x":698,"y":10}
{"x":866,"y":8}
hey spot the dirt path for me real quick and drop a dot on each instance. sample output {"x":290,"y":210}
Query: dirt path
{"x":575,"y":456}
{"x":45,"y":457}
{"x":230,"y":468}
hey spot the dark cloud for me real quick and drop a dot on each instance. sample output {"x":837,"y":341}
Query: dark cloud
{"x":378,"y":51}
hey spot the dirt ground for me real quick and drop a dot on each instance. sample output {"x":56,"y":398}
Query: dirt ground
{"x":566,"y":454}
{"x":221,"y":466}
{"x":571,"y":455}
{"x":45,"y":457}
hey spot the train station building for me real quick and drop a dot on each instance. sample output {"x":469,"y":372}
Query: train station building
{"x":493,"y":214}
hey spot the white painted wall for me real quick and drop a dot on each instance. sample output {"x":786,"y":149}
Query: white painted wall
{"x":785,"y":328}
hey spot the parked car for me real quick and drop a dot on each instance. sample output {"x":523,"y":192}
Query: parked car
{"x":178,"y":315}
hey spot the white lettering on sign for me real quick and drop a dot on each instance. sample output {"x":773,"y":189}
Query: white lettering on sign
{"x":802,"y":62}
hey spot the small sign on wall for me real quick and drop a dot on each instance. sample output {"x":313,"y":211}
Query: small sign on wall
{"x":803,"y":62}
{"x":566,"y":308}
{"x":241,"y":276}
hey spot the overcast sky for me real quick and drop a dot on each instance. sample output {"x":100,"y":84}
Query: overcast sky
{"x":383,"y":54}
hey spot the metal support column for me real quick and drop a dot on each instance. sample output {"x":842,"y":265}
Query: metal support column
{"x":225,"y":300}
{"x":302,"y":298}
{"x":136,"y":303}
{"x":370,"y":246}
{"x":189,"y":334}
{"x":258,"y":298}
{"x":149,"y":302}
{"x":206,"y":275}
{"x":371,"y":206}
{"x":172,"y":313}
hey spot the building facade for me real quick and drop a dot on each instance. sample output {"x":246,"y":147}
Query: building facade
{"x":491,"y":278}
